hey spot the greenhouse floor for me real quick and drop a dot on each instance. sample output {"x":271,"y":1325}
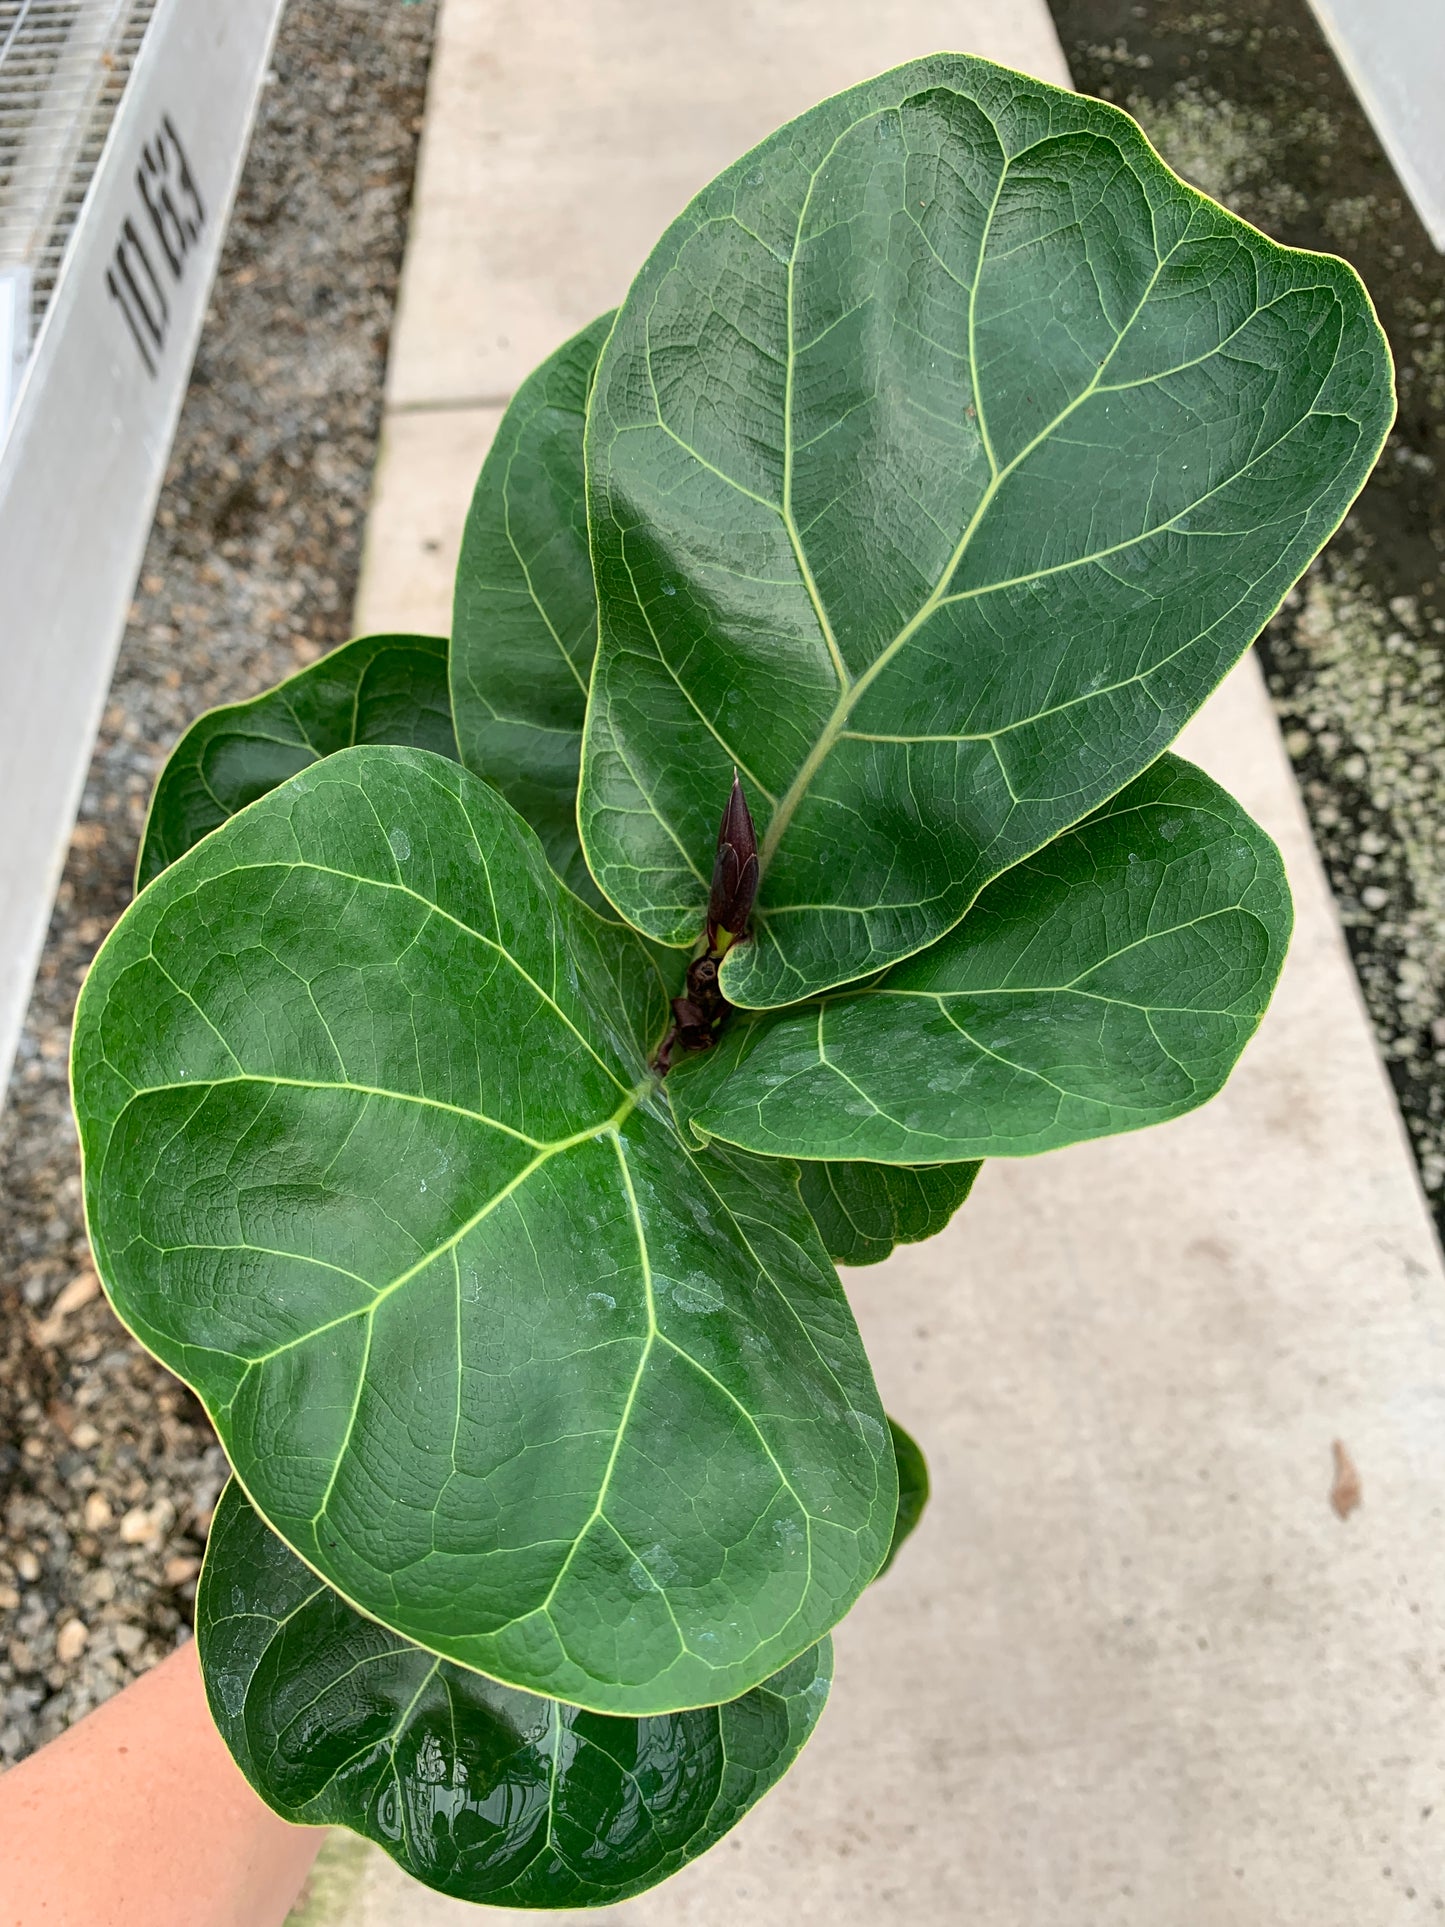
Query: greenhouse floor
{"x":1135,"y":1667}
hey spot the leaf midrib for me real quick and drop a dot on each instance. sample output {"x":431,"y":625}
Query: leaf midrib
{"x":650,"y":1337}
{"x":383,"y":1292}
{"x":852,"y":692}
{"x":347,"y":1085}
{"x":1073,"y":985}
{"x":1108,"y":1105}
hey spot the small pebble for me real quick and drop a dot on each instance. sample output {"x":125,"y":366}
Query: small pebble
{"x":98,"y":1587}
{"x":70,"y":1641}
{"x":98,"y":1514}
{"x":139,"y":1527}
{"x":81,"y":1289}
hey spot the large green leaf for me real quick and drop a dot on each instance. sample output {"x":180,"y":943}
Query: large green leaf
{"x":1108,"y":982}
{"x":377,"y":689}
{"x":863,"y":1210}
{"x":524,"y":621}
{"x":483,"y":1792}
{"x":375,"y":1162}
{"x":945,"y":454}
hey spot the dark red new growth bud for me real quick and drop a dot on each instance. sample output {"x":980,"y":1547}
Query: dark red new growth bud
{"x":735,"y":871}
{"x":699,"y":1013}
{"x":701,"y":976}
{"x":694,"y":1031}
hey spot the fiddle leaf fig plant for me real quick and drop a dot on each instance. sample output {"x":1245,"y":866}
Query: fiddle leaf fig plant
{"x":513,"y":1031}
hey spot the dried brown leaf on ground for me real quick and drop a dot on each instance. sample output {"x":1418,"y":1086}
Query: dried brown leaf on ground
{"x":1347,"y":1491}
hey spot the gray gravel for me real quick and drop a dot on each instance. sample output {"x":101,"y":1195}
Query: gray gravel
{"x":108,"y":1469}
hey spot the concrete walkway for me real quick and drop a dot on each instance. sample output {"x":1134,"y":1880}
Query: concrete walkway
{"x":1134,"y":1668}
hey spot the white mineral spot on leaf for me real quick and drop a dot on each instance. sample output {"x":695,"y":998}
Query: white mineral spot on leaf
{"x":789,"y":1535}
{"x":400,"y":845}
{"x":697,"y":1294}
{"x":660,"y":1563}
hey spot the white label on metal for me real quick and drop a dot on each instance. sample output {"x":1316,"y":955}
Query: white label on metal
{"x":92,"y":429}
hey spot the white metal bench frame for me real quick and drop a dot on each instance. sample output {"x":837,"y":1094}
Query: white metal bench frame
{"x":92,"y":425}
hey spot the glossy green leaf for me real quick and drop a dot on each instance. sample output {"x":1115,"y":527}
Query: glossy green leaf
{"x":1108,"y":982}
{"x":863,"y":1210}
{"x":945,"y":454}
{"x":375,"y":1162}
{"x":482,"y":1792}
{"x":376,"y":689}
{"x":524,"y":621}
{"x":912,"y":1487}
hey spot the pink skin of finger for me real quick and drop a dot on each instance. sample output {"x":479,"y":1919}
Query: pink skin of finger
{"x":138,"y":1817}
